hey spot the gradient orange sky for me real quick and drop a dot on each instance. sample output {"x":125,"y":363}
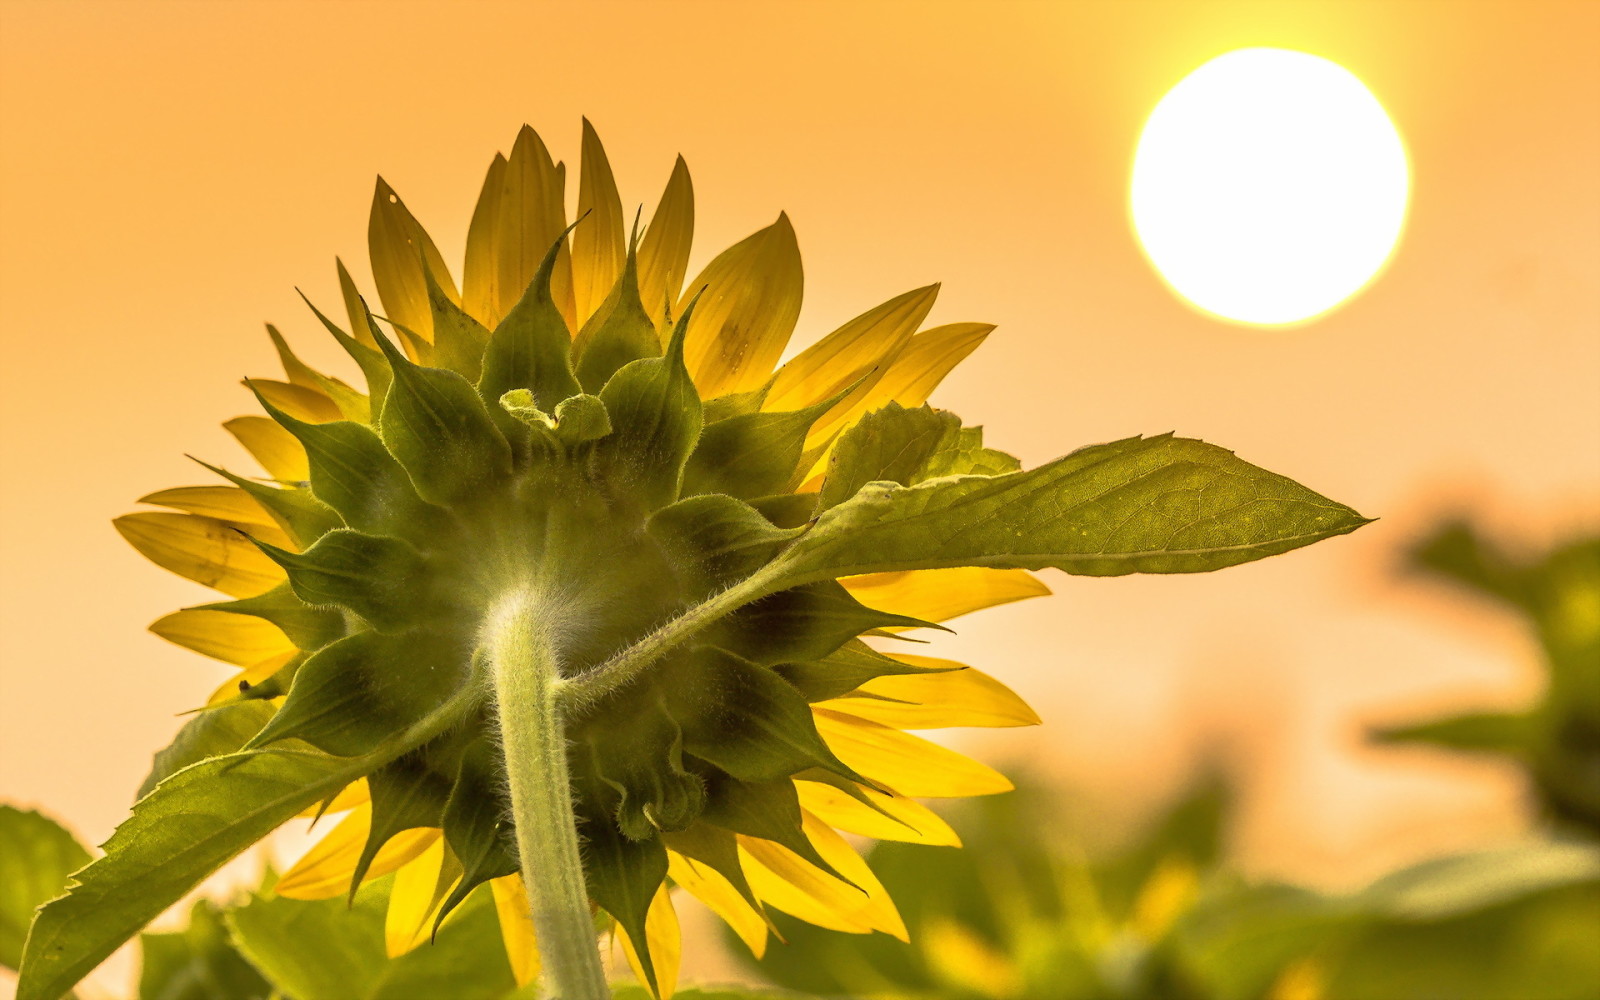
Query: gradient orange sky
{"x":169,"y":172}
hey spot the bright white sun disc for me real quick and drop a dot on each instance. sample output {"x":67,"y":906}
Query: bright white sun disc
{"x":1269,"y":186}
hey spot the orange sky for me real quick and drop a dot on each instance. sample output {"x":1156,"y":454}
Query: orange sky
{"x":169,"y":172}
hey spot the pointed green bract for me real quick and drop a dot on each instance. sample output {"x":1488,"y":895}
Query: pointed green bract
{"x":531,"y":348}
{"x":619,"y":332}
{"x":406,"y":794}
{"x":308,"y":627}
{"x":378,"y":577}
{"x":36,"y":856}
{"x":655,"y":413}
{"x":474,"y":825}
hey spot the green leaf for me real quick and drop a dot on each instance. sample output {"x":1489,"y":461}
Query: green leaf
{"x":1489,"y":732}
{"x":966,"y":456}
{"x":891,"y":444}
{"x":643,"y":764}
{"x":212,"y":733}
{"x":655,"y":413}
{"x":36,"y":856}
{"x":197,"y":963}
{"x":379,"y":577}
{"x":1156,"y":505}
{"x":803,"y":623}
{"x":181,"y":832}
{"x":1450,"y":886}
{"x":435,"y":423}
{"x":716,"y":539}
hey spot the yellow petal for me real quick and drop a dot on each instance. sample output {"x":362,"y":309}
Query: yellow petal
{"x":516,"y":927}
{"x":1164,"y":897}
{"x":908,"y":764}
{"x":297,"y":401}
{"x":399,"y":246}
{"x":202,"y":549}
{"x":964,"y":697}
{"x":272,"y":446}
{"x":926,"y":360}
{"x":664,"y":249}
{"x":226,"y":503}
{"x":480,"y":276}
{"x":325,"y":870}
{"x":746,"y":312}
{"x":709,"y":886}
{"x":937,"y":595}
{"x":414,"y":900}
{"x":348,"y":797}
{"x":1302,"y":979}
{"x":907,"y":819}
{"x":879,"y":910}
{"x":251,"y":675}
{"x":664,"y":940}
{"x":794,"y":885}
{"x":242,"y":640}
{"x":532,"y":216}
{"x":598,"y":243}
{"x":959,"y":956}
{"x":354,"y":307}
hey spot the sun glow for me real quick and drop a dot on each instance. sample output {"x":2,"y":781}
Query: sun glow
{"x":1269,"y":187}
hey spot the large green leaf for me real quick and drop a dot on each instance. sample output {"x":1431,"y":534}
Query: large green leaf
{"x":36,"y":856}
{"x":1141,"y":505}
{"x":212,"y":733}
{"x":181,"y":832}
{"x":197,"y":963}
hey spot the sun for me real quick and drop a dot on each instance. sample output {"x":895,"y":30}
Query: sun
{"x":1269,"y":186}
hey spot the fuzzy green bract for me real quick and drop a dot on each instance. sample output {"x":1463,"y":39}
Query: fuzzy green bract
{"x":649,"y":527}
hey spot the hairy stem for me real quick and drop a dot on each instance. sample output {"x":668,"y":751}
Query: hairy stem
{"x":527,"y":684}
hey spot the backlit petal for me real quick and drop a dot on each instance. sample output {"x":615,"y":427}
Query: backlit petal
{"x":908,"y":764}
{"x":310,"y":405}
{"x":202,"y":549}
{"x":908,"y":820}
{"x":965,"y":697}
{"x":227,"y":503}
{"x":745,"y":313}
{"x":937,"y":595}
{"x":926,"y":360}
{"x":532,"y":216}
{"x":708,"y":886}
{"x":665,"y":941}
{"x":325,"y":870}
{"x":516,"y":927}
{"x":480,"y":275}
{"x":250,"y":676}
{"x":664,"y":248}
{"x":414,"y":900}
{"x":598,"y":246}
{"x":242,"y":640}
{"x":399,"y":246}
{"x":272,"y":446}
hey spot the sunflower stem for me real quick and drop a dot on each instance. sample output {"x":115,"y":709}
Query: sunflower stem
{"x":527,"y":685}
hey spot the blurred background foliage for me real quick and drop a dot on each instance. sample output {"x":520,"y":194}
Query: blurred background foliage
{"x":1024,"y":911}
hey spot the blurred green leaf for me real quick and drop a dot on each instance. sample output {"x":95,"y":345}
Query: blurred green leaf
{"x":36,"y":856}
{"x":197,"y":963}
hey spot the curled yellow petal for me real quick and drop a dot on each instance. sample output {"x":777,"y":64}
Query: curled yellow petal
{"x":415,"y":898}
{"x":907,"y":819}
{"x":399,"y":247}
{"x":749,"y":301}
{"x":272,"y":446}
{"x":859,"y":351}
{"x":202,"y":549}
{"x":310,"y":405}
{"x":665,"y":941}
{"x":598,"y":246}
{"x":937,"y":595}
{"x":964,"y":697}
{"x":226,"y":503}
{"x":516,"y":927}
{"x":664,"y":248}
{"x":325,"y":870}
{"x":480,"y":275}
{"x":708,"y":886}
{"x":908,"y":764}
{"x":242,"y":640}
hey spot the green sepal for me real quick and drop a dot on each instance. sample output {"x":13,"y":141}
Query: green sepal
{"x":787,"y":510}
{"x":769,"y":810}
{"x":530,"y":349}
{"x":642,"y":763}
{"x":352,"y":405}
{"x":309,"y":628}
{"x":716,"y":539}
{"x":577,"y":421}
{"x":298,"y":512}
{"x":374,"y":369}
{"x":845,"y":669}
{"x":736,"y":404}
{"x":406,"y":793}
{"x":354,"y":474}
{"x":619,"y":332}
{"x":379,"y":577}
{"x":213,"y":733}
{"x":36,"y":856}
{"x":717,"y":849}
{"x":354,"y":695}
{"x":745,"y":719}
{"x":622,"y":877}
{"x":184,"y":830}
{"x":474,"y":825}
{"x":753,"y":454}
{"x":1140,"y":505}
{"x":802,"y":623}
{"x":435,"y":424}
{"x":890,"y":444}
{"x":655,"y":416}
{"x":459,"y":341}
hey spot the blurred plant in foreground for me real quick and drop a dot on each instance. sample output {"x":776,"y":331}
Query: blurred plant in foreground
{"x":1024,"y":915}
{"x":1557,"y":740}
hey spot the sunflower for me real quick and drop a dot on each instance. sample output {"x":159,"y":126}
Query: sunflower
{"x":735,"y":769}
